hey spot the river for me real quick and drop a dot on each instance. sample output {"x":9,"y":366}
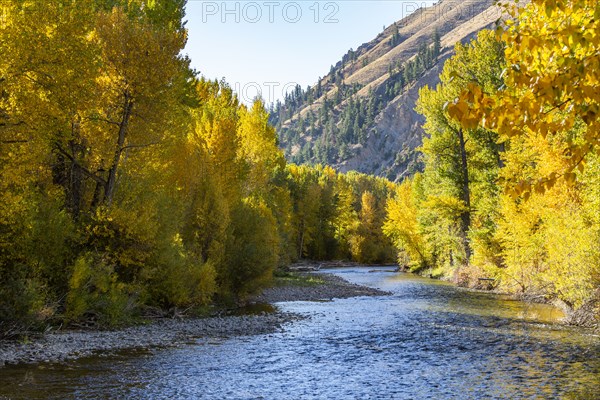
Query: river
{"x":428,"y":339}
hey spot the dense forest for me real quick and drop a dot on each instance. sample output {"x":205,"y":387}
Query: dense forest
{"x":129,"y":183}
{"x":510,"y":194}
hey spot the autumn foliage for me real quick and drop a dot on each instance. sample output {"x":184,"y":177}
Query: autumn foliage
{"x":510,"y":191}
{"x":129,"y":184}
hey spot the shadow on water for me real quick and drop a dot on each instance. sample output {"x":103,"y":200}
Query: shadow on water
{"x":427,"y":340}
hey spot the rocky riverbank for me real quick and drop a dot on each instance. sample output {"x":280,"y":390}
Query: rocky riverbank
{"x":66,"y":345}
{"x":60,"y":346}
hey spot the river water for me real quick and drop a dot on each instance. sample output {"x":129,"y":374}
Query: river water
{"x":429,"y":340}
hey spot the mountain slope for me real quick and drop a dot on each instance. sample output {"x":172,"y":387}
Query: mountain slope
{"x":361,"y":115}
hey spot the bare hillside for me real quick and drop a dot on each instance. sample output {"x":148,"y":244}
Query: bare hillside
{"x":361,"y":116}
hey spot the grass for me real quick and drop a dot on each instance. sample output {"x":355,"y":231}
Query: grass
{"x":295,"y":279}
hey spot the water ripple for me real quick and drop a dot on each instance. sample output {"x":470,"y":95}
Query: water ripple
{"x":427,"y":341}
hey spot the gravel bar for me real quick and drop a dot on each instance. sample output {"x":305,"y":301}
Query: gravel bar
{"x":333,"y":287}
{"x":69,"y":344}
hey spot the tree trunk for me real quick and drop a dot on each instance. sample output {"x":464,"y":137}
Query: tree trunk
{"x":75,"y":192}
{"x":301,"y":244}
{"x":109,"y":191}
{"x":501,"y":148}
{"x":466,"y":195}
{"x":98,"y":189}
{"x":68,"y":172}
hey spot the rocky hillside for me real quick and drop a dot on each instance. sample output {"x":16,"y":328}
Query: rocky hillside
{"x":361,"y":116}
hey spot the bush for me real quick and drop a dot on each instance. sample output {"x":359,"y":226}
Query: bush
{"x":95,"y":294}
{"x":253,"y":249}
{"x":181,"y":281}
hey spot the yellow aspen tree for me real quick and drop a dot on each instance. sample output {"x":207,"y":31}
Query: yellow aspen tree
{"x":551,"y":84}
{"x":402,"y":227}
{"x":258,"y":147}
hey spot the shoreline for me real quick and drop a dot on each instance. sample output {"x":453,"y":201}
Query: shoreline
{"x":68,"y":345}
{"x":586,"y":317}
{"x":330,"y":287}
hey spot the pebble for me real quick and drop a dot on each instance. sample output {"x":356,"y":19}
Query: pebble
{"x":334,"y":287}
{"x":69,"y":345}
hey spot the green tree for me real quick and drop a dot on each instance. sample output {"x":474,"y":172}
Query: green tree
{"x":461,"y":165}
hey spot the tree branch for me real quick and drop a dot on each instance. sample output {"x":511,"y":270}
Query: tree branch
{"x":108,"y":121}
{"x":85,"y":171}
{"x":136,"y":146}
{"x":13,"y":141}
{"x":3,"y":124}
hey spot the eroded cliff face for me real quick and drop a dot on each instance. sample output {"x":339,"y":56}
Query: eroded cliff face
{"x":391,"y":135}
{"x":390,"y":147}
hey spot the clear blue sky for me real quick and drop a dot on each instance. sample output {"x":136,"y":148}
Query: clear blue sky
{"x":270,"y":45}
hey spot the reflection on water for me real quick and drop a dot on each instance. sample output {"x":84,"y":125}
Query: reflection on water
{"x":480,"y":303}
{"x":427,"y":340}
